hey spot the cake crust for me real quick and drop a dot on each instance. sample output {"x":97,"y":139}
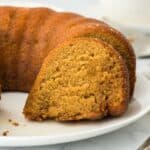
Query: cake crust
{"x":32,"y":32}
{"x":31,"y":37}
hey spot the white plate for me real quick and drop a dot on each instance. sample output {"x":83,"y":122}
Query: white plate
{"x":51,"y":132}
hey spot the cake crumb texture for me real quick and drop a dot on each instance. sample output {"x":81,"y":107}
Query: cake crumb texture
{"x":82,"y":79}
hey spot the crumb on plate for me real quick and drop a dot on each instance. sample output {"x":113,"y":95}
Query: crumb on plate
{"x":5,"y":133}
{"x":13,"y":122}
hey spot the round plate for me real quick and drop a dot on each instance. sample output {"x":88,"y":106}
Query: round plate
{"x":22,"y":132}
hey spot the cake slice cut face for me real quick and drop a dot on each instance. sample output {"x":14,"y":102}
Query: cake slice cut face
{"x":83,"y":78}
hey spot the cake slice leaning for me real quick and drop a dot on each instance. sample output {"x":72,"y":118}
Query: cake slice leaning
{"x":83,"y":78}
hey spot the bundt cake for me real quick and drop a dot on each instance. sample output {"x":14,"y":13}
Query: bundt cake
{"x":73,"y":67}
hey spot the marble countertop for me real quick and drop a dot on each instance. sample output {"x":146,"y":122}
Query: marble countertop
{"x":127,"y":138}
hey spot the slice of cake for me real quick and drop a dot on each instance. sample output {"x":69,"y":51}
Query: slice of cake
{"x":83,"y":78}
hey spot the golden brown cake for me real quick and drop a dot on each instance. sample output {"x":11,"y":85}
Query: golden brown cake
{"x":96,"y":29}
{"x":28,"y":36}
{"x":84,"y":78}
